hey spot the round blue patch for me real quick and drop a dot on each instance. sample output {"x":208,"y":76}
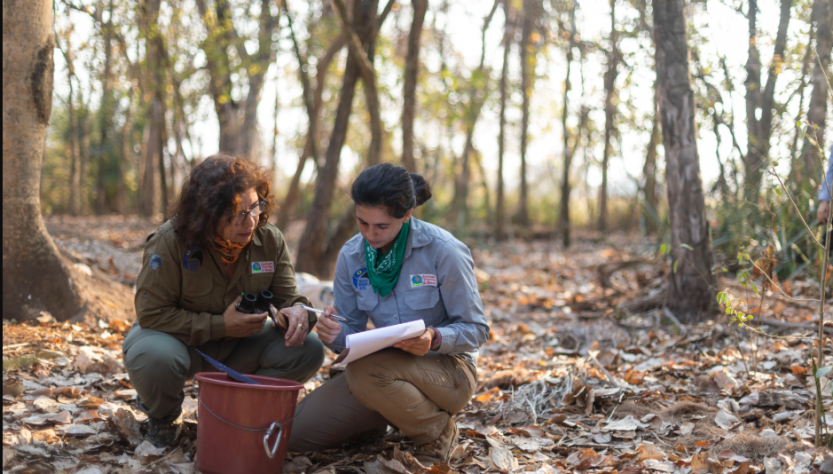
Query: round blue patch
{"x":416,"y":280}
{"x":192,"y":259}
{"x":255,"y":267}
{"x":155,"y":261}
{"x":360,"y":280}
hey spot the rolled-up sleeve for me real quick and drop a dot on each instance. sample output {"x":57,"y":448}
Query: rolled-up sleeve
{"x":466,"y":328}
{"x":827,"y":183}
{"x":345,"y":305}
{"x":157,"y":298}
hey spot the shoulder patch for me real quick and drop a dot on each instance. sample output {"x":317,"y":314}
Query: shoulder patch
{"x":155,"y":262}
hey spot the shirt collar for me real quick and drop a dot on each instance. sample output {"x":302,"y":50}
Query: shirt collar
{"x":256,"y":238}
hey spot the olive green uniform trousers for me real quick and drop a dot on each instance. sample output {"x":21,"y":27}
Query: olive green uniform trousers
{"x":159,"y":364}
{"x":416,"y":394}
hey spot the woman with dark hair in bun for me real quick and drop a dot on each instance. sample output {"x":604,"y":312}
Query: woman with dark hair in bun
{"x":398,"y":269}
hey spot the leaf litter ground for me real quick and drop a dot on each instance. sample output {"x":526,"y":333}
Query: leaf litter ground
{"x":570,"y":380}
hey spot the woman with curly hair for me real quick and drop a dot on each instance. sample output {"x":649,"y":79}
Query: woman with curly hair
{"x":216,"y":246}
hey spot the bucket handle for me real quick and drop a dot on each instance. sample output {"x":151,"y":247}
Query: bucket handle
{"x":269,"y":432}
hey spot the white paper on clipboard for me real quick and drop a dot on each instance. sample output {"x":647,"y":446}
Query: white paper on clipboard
{"x":365,"y":343}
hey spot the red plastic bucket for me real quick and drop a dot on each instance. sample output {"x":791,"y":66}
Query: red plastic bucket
{"x":243,"y":427}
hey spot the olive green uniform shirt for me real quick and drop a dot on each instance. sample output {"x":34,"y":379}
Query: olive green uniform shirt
{"x":184,"y":292}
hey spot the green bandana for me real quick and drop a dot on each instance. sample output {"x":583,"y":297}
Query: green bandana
{"x":383,"y":271}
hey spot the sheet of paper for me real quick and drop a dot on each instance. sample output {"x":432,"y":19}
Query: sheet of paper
{"x":365,"y":343}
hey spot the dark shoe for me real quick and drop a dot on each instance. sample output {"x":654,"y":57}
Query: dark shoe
{"x":162,"y":432}
{"x":440,"y":449}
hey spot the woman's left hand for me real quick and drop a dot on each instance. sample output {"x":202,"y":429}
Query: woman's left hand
{"x":417,"y":345}
{"x":297,"y":325}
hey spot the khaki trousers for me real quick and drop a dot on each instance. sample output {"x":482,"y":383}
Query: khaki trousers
{"x":416,"y":394}
{"x":159,"y":364}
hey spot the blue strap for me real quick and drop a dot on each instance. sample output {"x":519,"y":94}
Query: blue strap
{"x":231,"y":372}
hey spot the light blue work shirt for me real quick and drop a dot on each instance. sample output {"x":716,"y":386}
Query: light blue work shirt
{"x":824,"y":193}
{"x":436,"y":284}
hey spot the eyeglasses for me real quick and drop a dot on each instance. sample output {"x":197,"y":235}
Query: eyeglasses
{"x":254,"y":212}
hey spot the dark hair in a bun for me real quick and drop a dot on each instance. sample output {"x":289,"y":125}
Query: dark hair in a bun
{"x":391,"y":187}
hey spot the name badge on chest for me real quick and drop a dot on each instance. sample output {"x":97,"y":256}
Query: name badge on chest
{"x":423,"y":280}
{"x":263,"y":267}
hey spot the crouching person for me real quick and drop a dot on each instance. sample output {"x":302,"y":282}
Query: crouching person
{"x":195,"y":267}
{"x":398,"y":269}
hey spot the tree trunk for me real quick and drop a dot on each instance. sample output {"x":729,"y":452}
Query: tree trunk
{"x":522,"y":214}
{"x":805,"y":68}
{"x":124,"y":158}
{"x":813,"y":159}
{"x":311,"y":249}
{"x":83,"y":152}
{"x":610,"y":113}
{"x":691,"y":283}
{"x":311,"y":146}
{"x":564,"y":214}
{"x":75,"y":159}
{"x":761,"y":99}
{"x":409,"y":87}
{"x":500,"y":233}
{"x":649,"y":172}
{"x":35,"y":277}
{"x":153,"y":148}
{"x":105,"y":116}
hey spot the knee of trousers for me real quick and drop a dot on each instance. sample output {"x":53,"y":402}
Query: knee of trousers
{"x":157,"y":363}
{"x":305,"y":361}
{"x":366,"y":375}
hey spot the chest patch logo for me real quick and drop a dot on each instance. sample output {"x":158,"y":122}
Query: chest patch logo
{"x":423,"y":280}
{"x":192,"y":259}
{"x":155,"y":262}
{"x":263,"y":267}
{"x":360,"y":280}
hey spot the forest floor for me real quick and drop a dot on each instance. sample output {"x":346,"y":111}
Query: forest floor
{"x":569,"y":380}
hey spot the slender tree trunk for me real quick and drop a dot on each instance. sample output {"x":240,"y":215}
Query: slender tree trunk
{"x":753,"y":161}
{"x":83,"y":152}
{"x":312,"y":246}
{"x":500,"y":233}
{"x":649,"y":171}
{"x":75,"y":159}
{"x":153,"y":158}
{"x":124,"y":158}
{"x":564,"y":214}
{"x":274,"y":155}
{"x":522,"y":215}
{"x":105,"y":116}
{"x":817,"y":110}
{"x":691,"y":283}
{"x":311,"y":147}
{"x":35,"y":277}
{"x":409,"y":87}
{"x":805,"y":68}
{"x":610,"y":113}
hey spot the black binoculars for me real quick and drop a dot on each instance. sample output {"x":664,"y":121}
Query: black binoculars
{"x":251,"y":304}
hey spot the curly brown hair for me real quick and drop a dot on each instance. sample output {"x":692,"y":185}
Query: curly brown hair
{"x":210,"y":197}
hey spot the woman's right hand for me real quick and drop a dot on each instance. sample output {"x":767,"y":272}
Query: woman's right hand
{"x":327,"y":328}
{"x":240,"y":324}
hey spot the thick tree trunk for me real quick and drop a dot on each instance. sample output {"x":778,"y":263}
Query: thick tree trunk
{"x":522,"y":213}
{"x":311,"y":249}
{"x":610,"y":113}
{"x":409,"y":87}
{"x":814,"y":161}
{"x":35,"y":277}
{"x":564,"y":213}
{"x":691,"y":283}
{"x":508,"y":32}
{"x":153,"y":157}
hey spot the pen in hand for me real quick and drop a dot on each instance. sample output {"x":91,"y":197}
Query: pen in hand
{"x":334,"y":316}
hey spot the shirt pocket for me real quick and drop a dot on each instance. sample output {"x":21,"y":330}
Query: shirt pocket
{"x":367,"y":299}
{"x":422,"y":302}
{"x":257,"y":283}
{"x":196,"y":292}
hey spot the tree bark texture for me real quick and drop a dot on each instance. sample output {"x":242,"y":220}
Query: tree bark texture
{"x":649,"y":173}
{"x":35,"y":277}
{"x":409,"y":87}
{"x":814,"y":162}
{"x":691,"y":282}
{"x":564,"y":205}
{"x":75,"y":161}
{"x":610,"y":113}
{"x":152,"y":149}
{"x":105,"y":117}
{"x":311,"y":249}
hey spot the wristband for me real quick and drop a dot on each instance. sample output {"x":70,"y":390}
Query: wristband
{"x":437,"y":341}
